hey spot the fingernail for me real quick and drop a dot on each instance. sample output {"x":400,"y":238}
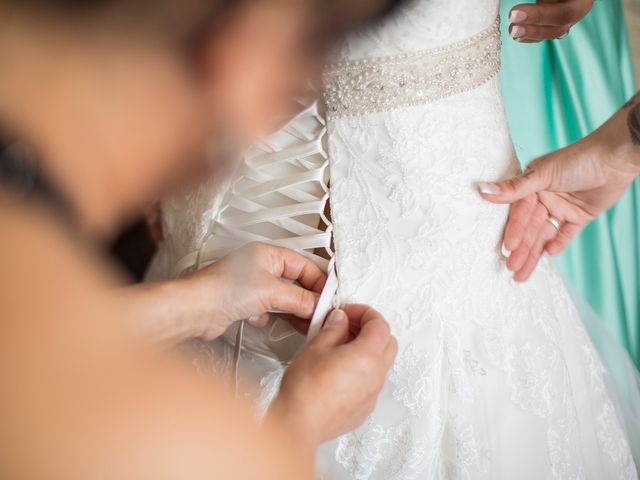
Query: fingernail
{"x":517,"y":16}
{"x":506,"y":253}
{"x":517,"y":32}
{"x":489,"y":188}
{"x":254,"y":319}
{"x":336,"y":317}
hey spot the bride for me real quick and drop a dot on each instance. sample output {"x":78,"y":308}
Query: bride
{"x":377,"y":183}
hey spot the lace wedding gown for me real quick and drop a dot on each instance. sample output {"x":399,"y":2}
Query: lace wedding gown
{"x":493,"y":379}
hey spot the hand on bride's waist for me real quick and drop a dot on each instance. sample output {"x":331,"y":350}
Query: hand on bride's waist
{"x":560,"y":193}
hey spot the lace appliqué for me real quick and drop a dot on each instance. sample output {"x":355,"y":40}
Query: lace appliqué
{"x":383,"y":84}
{"x":613,"y":442}
{"x":392,"y":452}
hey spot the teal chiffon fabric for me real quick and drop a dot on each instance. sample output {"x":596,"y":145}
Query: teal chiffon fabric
{"x":557,"y":92}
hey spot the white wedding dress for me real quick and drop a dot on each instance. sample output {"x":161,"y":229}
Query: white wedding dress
{"x":494,"y":379}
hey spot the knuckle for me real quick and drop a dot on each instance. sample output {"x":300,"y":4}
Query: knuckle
{"x":534,"y":256}
{"x":517,"y":224}
{"x":367,"y":363}
{"x":305,"y":300}
{"x":264,"y":288}
{"x":384,"y":330}
{"x":512,"y":183}
{"x":377,"y":386}
{"x":258,"y":250}
{"x":394,"y":347}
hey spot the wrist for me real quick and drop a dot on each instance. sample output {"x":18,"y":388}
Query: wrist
{"x":289,"y":414}
{"x":182,"y":321}
{"x":628,"y":159}
{"x":615,"y":147}
{"x":200,"y":306}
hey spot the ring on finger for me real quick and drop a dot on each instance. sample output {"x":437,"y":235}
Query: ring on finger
{"x":555,"y":222}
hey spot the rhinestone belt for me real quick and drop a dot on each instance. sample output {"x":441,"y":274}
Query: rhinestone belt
{"x":386,"y":83}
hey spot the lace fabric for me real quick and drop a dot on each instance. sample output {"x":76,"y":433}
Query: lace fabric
{"x":494,"y":379}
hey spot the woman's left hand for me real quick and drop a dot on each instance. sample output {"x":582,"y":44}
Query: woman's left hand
{"x":560,"y":193}
{"x":547,"y":19}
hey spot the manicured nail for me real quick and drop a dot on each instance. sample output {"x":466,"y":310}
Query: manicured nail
{"x":517,"y":32}
{"x":254,"y":319}
{"x":337,"y":317}
{"x":506,"y":253}
{"x":517,"y":16}
{"x":489,"y":188}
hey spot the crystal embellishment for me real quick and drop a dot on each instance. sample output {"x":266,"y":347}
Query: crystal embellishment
{"x":381,"y":84}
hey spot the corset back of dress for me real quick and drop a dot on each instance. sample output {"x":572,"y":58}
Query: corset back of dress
{"x":431,"y":49}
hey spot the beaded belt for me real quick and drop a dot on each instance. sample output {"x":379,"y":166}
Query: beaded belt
{"x":386,"y":83}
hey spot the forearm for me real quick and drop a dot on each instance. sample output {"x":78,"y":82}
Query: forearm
{"x":164,"y":312}
{"x":293,"y":423}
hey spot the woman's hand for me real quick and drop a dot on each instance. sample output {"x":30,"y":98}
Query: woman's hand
{"x":333,"y":385}
{"x":547,"y":19}
{"x":253,"y":281}
{"x":245,"y":285}
{"x":560,"y":193}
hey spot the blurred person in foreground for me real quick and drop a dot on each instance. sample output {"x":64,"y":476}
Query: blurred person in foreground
{"x":104,"y":92}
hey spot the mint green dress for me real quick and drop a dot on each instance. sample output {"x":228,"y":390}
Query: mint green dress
{"x":557,"y":92}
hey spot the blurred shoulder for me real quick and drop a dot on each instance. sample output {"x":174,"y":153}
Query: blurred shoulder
{"x":33,"y":239}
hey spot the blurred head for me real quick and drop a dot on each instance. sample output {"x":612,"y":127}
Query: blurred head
{"x":122,"y":98}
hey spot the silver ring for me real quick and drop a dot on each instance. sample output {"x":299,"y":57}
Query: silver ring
{"x":555,"y":222}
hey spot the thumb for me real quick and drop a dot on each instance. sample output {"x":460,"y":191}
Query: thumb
{"x":334,"y":332}
{"x":535,"y":178}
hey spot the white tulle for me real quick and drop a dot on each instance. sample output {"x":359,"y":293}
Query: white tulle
{"x":493,"y":379}
{"x":622,"y":378}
